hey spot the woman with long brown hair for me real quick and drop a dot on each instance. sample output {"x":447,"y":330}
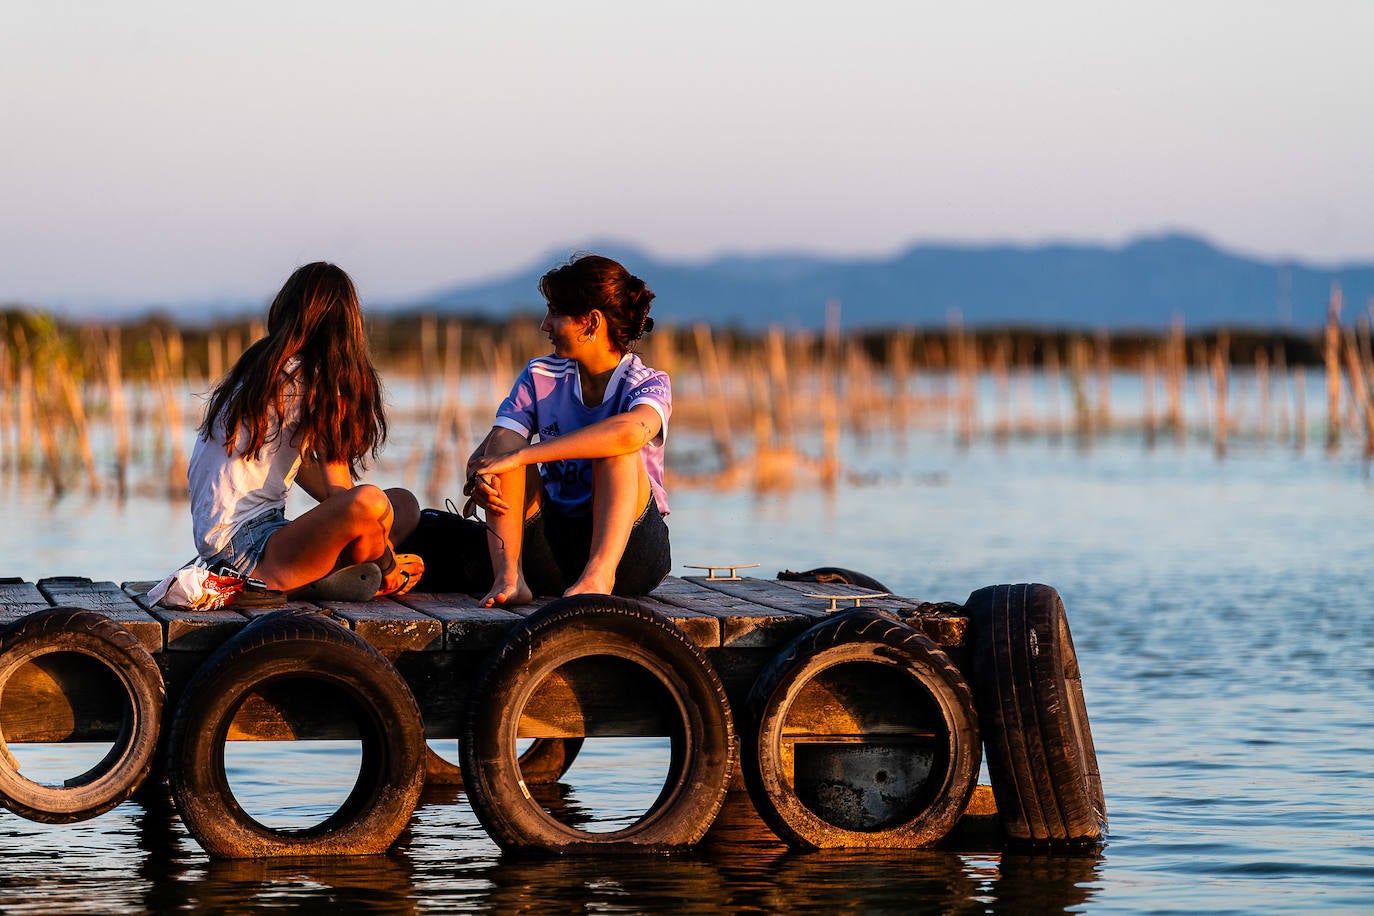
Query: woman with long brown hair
{"x":301,"y":405}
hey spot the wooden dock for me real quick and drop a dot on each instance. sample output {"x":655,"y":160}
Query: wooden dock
{"x":845,"y":710}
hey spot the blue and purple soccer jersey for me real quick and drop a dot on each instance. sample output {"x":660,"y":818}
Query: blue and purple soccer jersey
{"x":547,"y":400}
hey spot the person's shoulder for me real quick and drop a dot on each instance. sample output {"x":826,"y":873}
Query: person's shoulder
{"x":636,"y":373}
{"x":551,"y":366}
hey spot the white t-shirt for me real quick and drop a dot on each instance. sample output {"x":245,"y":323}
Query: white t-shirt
{"x":229,"y":490}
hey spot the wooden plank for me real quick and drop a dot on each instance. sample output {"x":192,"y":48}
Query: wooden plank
{"x":466,"y":626}
{"x":944,"y":622}
{"x":61,"y":697}
{"x":701,"y":627}
{"x":744,"y":623}
{"x":188,"y":631}
{"x":19,"y":599}
{"x":391,"y":627}
{"x":108,"y":599}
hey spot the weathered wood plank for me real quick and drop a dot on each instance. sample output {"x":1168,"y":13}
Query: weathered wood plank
{"x":391,"y":627}
{"x":466,"y":626}
{"x":19,"y":599}
{"x":108,"y":599}
{"x":700,"y":627}
{"x":187,"y":631}
{"x":744,"y":622}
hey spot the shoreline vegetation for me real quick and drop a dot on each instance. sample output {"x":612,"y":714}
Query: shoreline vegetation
{"x":107,"y":409}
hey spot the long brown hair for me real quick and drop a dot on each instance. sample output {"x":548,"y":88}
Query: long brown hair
{"x":595,"y":282}
{"x":317,"y":318}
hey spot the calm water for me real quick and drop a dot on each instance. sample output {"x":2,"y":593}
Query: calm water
{"x":1224,"y":618}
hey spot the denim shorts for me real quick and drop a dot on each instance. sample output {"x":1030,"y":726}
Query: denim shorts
{"x":248,"y":542}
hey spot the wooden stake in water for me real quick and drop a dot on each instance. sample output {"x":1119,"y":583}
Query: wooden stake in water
{"x":1359,"y":390}
{"x":1221,"y":359}
{"x":720,"y":414}
{"x":1175,"y":369}
{"x":119,"y":414}
{"x":1333,"y":369}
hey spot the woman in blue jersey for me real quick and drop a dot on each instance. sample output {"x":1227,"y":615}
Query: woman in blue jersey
{"x":571,"y":474}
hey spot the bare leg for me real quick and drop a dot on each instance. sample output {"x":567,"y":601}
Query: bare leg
{"x":620,"y":491}
{"x":505,"y":538}
{"x":348,"y":527}
{"x":407,"y":513}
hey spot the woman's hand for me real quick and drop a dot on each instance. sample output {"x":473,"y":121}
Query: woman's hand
{"x":483,"y":485}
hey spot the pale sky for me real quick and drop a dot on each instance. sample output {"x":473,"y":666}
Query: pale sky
{"x":163,"y":151}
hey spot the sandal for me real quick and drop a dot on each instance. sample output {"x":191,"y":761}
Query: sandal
{"x":412,"y":568}
{"x":351,"y":583}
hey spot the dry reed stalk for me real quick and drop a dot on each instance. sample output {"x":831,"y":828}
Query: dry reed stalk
{"x":963,"y":361}
{"x":47,"y":437}
{"x":7,"y":387}
{"x":1148,"y":384}
{"x":1103,"y":352}
{"x":119,"y":415}
{"x":719,"y":415}
{"x":899,"y":367}
{"x":782,"y":392}
{"x":77,"y":412}
{"x":1331,"y":355}
{"x":214,"y":365}
{"x":1078,"y":370}
{"x":451,"y":422}
{"x":1001,"y":380}
{"x":429,"y":358}
{"x":25,"y":408}
{"x":1359,"y":389}
{"x":1202,"y":378}
{"x":1264,"y":417}
{"x":1175,"y":369}
{"x":830,"y":429}
{"x":1299,"y":408}
{"x":1054,"y":382}
{"x":175,"y":482}
{"x":1025,"y":387}
{"x":1221,"y":360}
{"x":1280,"y":369}
{"x":233,"y":348}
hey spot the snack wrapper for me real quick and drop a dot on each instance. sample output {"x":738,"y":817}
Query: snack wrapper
{"x":195,"y":588}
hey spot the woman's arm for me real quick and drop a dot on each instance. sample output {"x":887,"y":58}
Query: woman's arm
{"x":618,"y":435}
{"x":322,"y":480}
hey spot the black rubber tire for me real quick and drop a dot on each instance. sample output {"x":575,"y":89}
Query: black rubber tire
{"x":119,"y":774}
{"x":835,"y":574}
{"x":867,"y":637}
{"x":292,"y":645}
{"x":543,"y":762}
{"x":1029,"y":692}
{"x":703,"y":750}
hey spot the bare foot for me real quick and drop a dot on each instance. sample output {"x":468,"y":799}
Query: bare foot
{"x":591,"y":584}
{"x":503,"y":593}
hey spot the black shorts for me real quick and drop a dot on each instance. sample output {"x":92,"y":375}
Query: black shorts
{"x":553,"y":555}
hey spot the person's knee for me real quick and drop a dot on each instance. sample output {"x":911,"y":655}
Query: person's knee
{"x":406,"y":512}
{"x":368,"y":503}
{"x":403,"y":502}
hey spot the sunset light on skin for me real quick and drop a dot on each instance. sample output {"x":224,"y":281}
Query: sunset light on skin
{"x":161,"y":152}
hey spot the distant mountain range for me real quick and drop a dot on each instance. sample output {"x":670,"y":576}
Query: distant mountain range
{"x":1142,"y":284}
